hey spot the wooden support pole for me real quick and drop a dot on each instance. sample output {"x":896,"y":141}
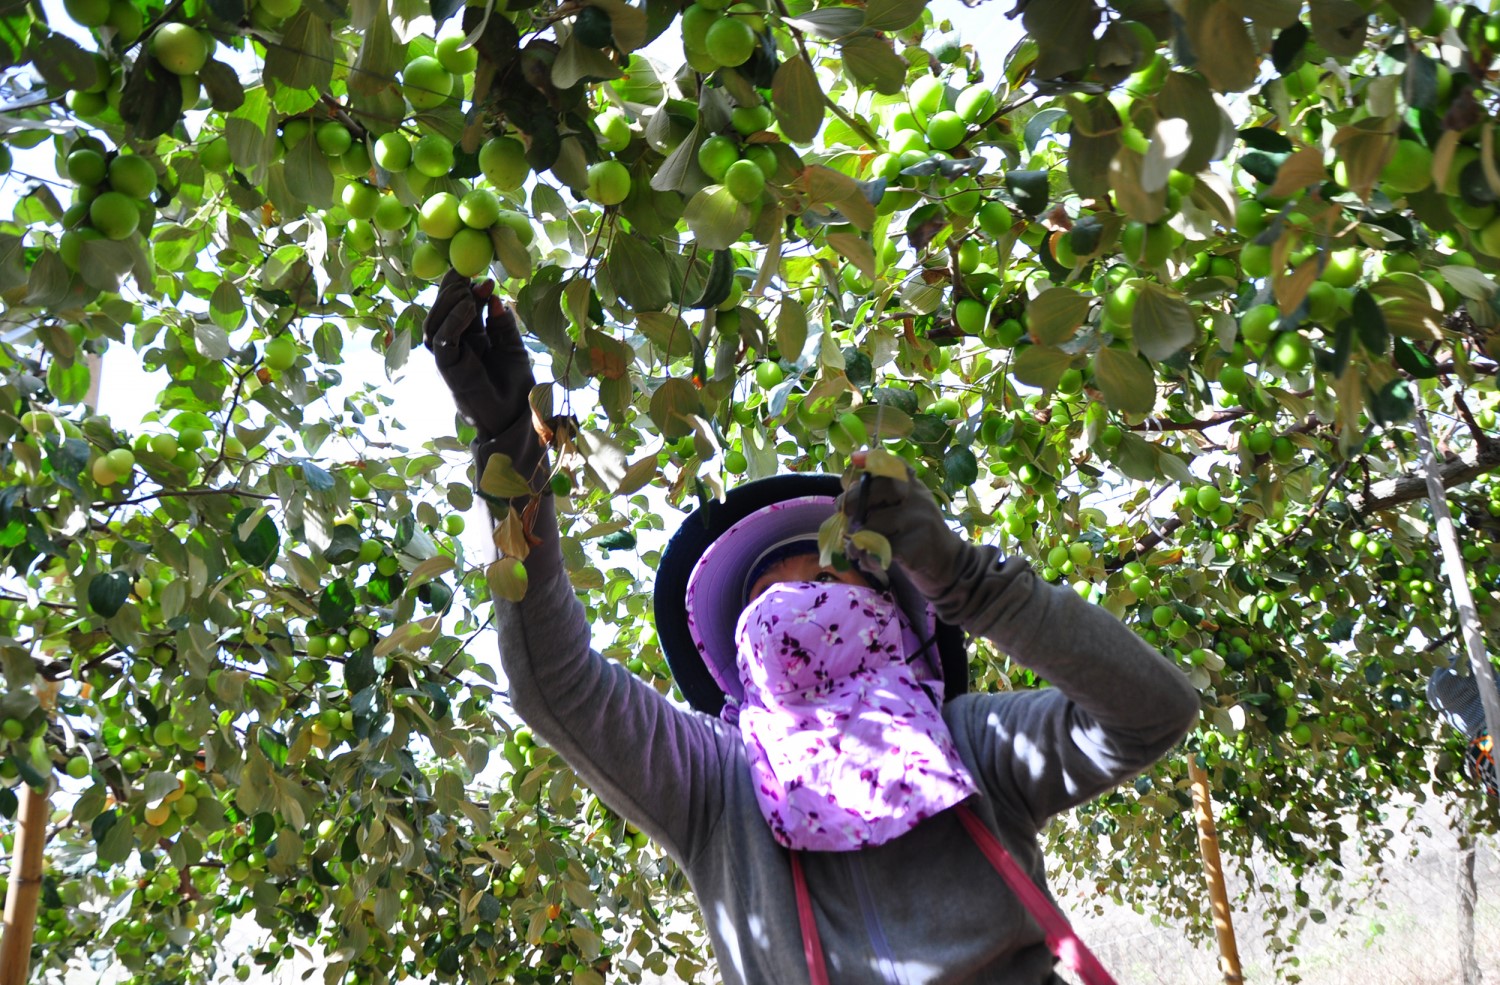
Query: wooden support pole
{"x":25,"y":885}
{"x":1213,"y":874}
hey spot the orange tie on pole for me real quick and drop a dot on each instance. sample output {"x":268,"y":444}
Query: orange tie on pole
{"x":1213,"y":874}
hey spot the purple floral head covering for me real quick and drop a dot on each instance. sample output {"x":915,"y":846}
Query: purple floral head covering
{"x":715,"y":594}
{"x":846,"y":744}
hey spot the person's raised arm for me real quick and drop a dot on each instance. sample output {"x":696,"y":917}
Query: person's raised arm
{"x":658,"y":766}
{"x":1117,"y":704}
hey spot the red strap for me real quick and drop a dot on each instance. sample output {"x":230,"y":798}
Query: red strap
{"x":812,"y":944}
{"x":1061,"y":940}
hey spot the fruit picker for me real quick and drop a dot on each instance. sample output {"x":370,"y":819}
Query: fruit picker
{"x":844,"y":809}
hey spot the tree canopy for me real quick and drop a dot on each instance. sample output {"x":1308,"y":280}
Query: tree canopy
{"x":1152,"y":302}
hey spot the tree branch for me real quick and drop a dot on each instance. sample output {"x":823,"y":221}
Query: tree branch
{"x":1456,"y":471}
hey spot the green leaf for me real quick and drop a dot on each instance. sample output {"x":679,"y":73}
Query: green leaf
{"x":638,"y":273}
{"x":223,"y":86}
{"x":108,"y":592}
{"x":1162,"y":322}
{"x":1339,"y":26}
{"x":872,"y":63}
{"x":960,"y":466}
{"x":68,"y":382}
{"x":1041,"y":366}
{"x":151,"y":101}
{"x":1056,"y":314}
{"x":798,"y":100}
{"x":672,"y":406}
{"x":1221,"y":44}
{"x":259,"y":544}
{"x":716,"y":218}
{"x":1029,"y":189}
{"x":336,"y":605}
{"x":719,"y":282}
{"x":308,"y":175}
{"x":1369,"y":323}
{"x":344,"y":545}
{"x":892,"y":15}
{"x":304,"y":56}
{"x":791,"y":327}
{"x":1127,"y":381}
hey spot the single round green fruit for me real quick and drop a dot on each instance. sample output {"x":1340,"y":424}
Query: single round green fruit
{"x":86,"y":167}
{"x":745,"y":181}
{"x":716,"y":155}
{"x":614,"y":130}
{"x":471,"y":251}
{"x":393,"y":152}
{"x":946,"y":130}
{"x":215,"y":155}
{"x":433,"y":155}
{"x":425,"y":83}
{"x":453,"y":57}
{"x":133,"y":175}
{"x":391,"y":214}
{"x":280,"y":354}
{"x":180,"y":48}
{"x":88,"y":13}
{"x":439,"y":216}
{"x":1410,"y":168}
{"x":114,"y":215}
{"x":333,"y":138}
{"x":608,"y":183}
{"x":503,"y":162}
{"x":79,"y":767}
{"x":768,"y":375}
{"x":479,"y":209}
{"x":729,"y":41}
{"x":428,"y":262}
{"x":360,"y":200}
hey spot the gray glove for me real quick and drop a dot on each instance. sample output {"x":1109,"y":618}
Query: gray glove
{"x":908,"y":516}
{"x":479,"y":353}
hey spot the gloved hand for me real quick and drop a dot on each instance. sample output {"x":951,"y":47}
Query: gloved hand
{"x":907,"y":514}
{"x":479,"y":354}
{"x":477,"y":344}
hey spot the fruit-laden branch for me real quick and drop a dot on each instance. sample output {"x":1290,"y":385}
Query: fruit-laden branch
{"x":1457,"y":470}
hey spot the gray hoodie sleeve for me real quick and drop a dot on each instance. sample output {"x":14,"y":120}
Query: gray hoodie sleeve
{"x":1116,"y":705}
{"x":658,"y":765}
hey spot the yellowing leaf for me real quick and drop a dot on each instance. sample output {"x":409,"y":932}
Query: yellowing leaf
{"x":879,"y":461}
{"x":507,"y":579}
{"x":875,"y":545}
{"x":1056,"y":314}
{"x":500,"y":479}
{"x":1297,"y":172}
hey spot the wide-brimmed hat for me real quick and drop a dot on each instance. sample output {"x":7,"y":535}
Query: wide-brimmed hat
{"x":700,"y":584}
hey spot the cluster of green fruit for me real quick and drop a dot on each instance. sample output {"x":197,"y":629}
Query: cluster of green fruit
{"x":344,"y":152}
{"x":458,"y":233}
{"x":744,"y":176}
{"x":428,"y":81}
{"x":717,"y":35}
{"x":112,"y":199}
{"x":179,"y":48}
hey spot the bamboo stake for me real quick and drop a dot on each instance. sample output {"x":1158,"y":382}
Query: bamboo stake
{"x":25,"y":889}
{"x":1458,"y":582}
{"x":1213,"y":874}
{"x":25,"y":885}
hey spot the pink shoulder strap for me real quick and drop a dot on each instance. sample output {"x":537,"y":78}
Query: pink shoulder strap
{"x":1070,"y":951}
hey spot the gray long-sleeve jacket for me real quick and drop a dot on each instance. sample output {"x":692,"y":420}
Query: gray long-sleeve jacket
{"x":924,"y":908}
